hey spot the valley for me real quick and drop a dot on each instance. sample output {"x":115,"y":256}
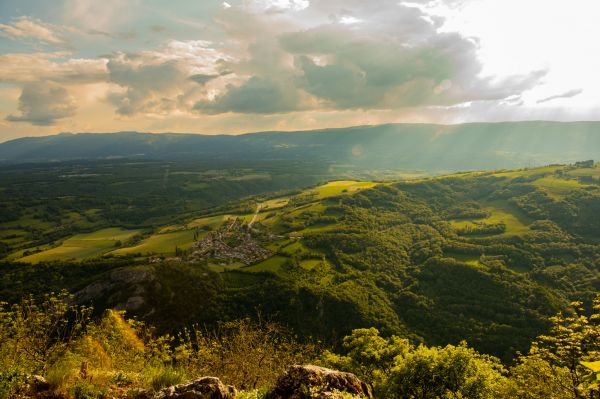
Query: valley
{"x":487,"y":256}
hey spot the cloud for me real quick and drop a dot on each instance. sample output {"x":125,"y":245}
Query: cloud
{"x":567,"y":94}
{"x":99,"y":16}
{"x":163,"y":80}
{"x":30,"y":28}
{"x":279,"y":5}
{"x":21,"y":68}
{"x":43,"y":103}
{"x":257,"y":95}
{"x":358,"y":55}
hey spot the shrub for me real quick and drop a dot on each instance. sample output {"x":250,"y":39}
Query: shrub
{"x":165,"y":378}
{"x":9,"y":381}
{"x":86,"y":390}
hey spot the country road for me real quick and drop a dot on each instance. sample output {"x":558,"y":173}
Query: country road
{"x":258,"y":207}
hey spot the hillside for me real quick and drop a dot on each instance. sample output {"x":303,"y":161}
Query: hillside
{"x":428,"y":147}
{"x":485,"y":257}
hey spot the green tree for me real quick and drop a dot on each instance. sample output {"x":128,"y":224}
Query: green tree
{"x":397,"y":369}
{"x":563,"y":357}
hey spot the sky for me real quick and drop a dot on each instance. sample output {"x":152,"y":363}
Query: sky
{"x":236,"y":66}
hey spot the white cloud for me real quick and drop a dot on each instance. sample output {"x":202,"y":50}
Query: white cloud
{"x":56,"y":66}
{"x":30,"y":28}
{"x":166,"y":79}
{"x":282,"y":5}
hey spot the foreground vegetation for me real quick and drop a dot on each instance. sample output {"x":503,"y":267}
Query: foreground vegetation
{"x":82,"y":357}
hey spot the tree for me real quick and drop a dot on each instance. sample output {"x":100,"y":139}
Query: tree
{"x":563,"y":357}
{"x":397,"y":369}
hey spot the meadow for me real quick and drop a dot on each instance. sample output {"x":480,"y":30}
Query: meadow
{"x":82,"y":246}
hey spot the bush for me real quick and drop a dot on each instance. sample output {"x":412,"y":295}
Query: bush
{"x":86,"y":390}
{"x":9,"y":381}
{"x":165,"y":378}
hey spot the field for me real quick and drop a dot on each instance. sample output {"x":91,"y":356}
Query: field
{"x":498,"y":213}
{"x":163,"y":244}
{"x":82,"y":246}
{"x":334,"y":188}
{"x":557,"y":188}
{"x":273,"y":265}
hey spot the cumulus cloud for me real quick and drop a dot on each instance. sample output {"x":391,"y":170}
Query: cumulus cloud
{"x":162,"y":80}
{"x":264,"y":57}
{"x":566,"y":94}
{"x":359,"y":55}
{"x":257,"y":95}
{"x":43,"y":103}
{"x":30,"y":28}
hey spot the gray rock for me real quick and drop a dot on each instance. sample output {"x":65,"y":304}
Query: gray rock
{"x":307,"y":381}
{"x":202,"y":388}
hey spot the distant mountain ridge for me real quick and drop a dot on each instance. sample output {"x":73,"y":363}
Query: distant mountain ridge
{"x":396,"y":146}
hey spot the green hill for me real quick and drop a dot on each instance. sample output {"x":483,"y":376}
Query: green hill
{"x":485,"y":257}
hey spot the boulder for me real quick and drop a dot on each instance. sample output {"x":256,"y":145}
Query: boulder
{"x":302,"y":381}
{"x":202,"y":388}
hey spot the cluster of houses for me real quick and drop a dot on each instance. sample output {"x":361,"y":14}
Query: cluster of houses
{"x":231,"y":243}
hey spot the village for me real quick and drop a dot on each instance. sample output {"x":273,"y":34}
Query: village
{"x":231,"y":243}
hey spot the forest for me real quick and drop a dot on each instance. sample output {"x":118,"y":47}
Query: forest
{"x":479,"y":267}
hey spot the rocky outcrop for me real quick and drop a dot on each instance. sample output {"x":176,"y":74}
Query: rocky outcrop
{"x":300,"y":382}
{"x":123,"y":289}
{"x":202,"y":388}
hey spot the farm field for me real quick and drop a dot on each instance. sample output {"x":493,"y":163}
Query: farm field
{"x":163,"y":244}
{"x":499,"y":212}
{"x":82,"y":246}
{"x":335,"y":188}
{"x":557,"y":188}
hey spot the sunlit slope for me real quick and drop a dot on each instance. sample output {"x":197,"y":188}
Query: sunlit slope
{"x":481,"y":256}
{"x":401,"y":146}
{"x":469,"y":217}
{"x":83,"y":246}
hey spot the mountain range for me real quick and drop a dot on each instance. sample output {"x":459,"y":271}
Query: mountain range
{"x":426,"y":147}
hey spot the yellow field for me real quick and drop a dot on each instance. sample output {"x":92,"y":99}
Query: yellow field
{"x":557,"y":188}
{"x":160,"y":244}
{"x":82,"y":246}
{"x":499,"y":213}
{"x":335,"y":188}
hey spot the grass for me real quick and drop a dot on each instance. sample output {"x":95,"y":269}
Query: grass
{"x":593,"y":172}
{"x":557,"y":188}
{"x":336,"y":188}
{"x":211,"y":222}
{"x":310,"y":264}
{"x":273,"y":265}
{"x":295,"y":248}
{"x":471,"y":260}
{"x":223,"y":268}
{"x":163,"y":244}
{"x":82,"y":246}
{"x":274,"y":204}
{"x":499,"y":212}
